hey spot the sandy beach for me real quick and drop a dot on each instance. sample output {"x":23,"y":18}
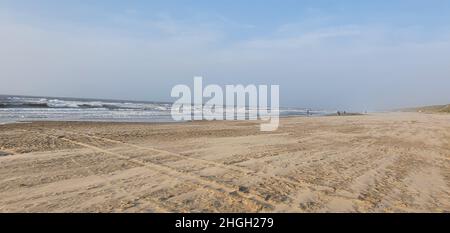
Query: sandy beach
{"x":387,"y":162}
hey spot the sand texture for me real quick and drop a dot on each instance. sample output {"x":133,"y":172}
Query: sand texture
{"x":390,"y":162}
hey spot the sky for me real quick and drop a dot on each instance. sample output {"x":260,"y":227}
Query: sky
{"x":354,"y":55}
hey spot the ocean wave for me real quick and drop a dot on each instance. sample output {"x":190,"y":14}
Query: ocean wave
{"x":30,"y":102}
{"x":14,"y":108}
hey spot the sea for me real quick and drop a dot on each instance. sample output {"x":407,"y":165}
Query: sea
{"x":15,"y":109}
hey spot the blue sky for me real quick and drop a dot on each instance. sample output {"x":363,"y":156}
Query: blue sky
{"x":324,"y":54}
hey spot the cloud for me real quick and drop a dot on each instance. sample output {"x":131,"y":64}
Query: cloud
{"x":308,"y":38}
{"x":341,"y":66}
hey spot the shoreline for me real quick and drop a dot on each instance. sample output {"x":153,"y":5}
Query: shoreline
{"x":172,"y":121}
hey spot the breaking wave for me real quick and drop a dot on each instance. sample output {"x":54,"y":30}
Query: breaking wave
{"x":35,"y":102}
{"x":21,"y":108}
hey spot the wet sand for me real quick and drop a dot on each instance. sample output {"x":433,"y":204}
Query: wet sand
{"x":390,"y":162}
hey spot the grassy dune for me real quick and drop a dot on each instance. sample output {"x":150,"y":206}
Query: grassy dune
{"x":431,"y":109}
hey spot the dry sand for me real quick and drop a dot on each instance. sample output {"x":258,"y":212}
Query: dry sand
{"x":390,"y":162}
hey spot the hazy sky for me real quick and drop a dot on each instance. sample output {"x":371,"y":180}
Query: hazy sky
{"x":323,"y":54}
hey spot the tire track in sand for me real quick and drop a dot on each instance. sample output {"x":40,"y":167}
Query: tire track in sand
{"x":325,"y":190}
{"x":154,"y":204}
{"x":197,"y":180}
{"x":125,"y":194}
